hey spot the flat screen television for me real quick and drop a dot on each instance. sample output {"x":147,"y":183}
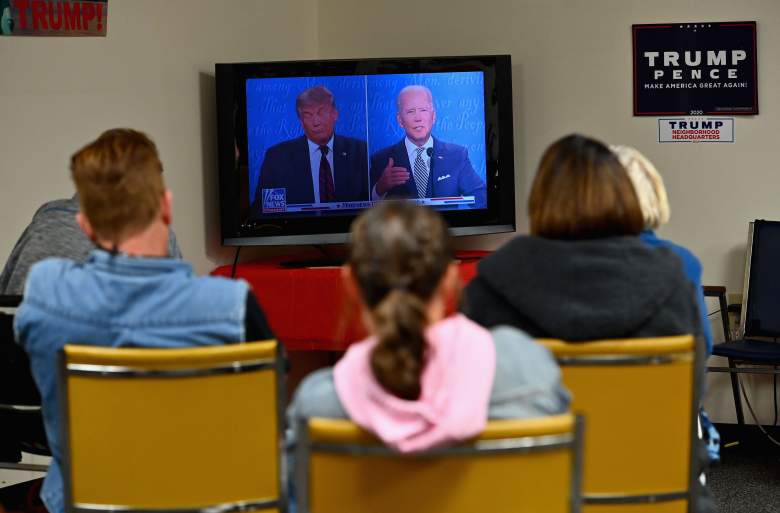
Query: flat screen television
{"x":304,"y":146}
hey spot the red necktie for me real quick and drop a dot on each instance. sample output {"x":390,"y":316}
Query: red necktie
{"x":327,"y":189}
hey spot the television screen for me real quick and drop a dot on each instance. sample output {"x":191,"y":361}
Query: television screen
{"x":305,"y":146}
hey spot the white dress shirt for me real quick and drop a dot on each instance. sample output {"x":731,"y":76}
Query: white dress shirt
{"x":411,"y":150}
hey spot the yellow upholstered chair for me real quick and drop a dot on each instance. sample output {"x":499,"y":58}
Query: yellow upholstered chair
{"x":640,"y":398}
{"x":195,"y":429}
{"x":514,"y":466}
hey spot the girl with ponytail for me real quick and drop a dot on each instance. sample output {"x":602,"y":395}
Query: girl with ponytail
{"x":423,"y":378}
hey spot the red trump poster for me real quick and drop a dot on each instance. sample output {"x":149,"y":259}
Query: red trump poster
{"x":53,"y":17}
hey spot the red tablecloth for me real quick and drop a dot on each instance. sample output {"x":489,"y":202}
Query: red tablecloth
{"x":308,"y":308}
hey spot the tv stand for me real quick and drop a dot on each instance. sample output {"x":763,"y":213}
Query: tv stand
{"x":307,"y":306}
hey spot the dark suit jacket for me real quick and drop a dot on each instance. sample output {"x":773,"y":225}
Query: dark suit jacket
{"x":287,"y":165}
{"x":451,"y":173}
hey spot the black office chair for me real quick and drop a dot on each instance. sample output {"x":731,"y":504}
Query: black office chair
{"x":760,"y":311}
{"x":20,"y":403}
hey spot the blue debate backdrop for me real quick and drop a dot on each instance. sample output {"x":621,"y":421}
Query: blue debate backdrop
{"x":458,"y":98}
{"x":367,"y":111}
{"x":271,"y":116}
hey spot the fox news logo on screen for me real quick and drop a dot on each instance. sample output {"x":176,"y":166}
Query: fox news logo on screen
{"x":274,"y":200}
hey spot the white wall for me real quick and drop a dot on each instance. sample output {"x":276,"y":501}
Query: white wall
{"x":572,"y":63}
{"x":154,"y":72}
{"x":572,"y":72}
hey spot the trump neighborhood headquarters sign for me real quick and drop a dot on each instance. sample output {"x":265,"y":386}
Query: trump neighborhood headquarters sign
{"x":695,"y":69}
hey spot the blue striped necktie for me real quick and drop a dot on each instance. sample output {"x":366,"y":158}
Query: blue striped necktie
{"x":420,"y":174}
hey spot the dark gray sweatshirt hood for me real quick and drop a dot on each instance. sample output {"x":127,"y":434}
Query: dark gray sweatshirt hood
{"x":586,"y":289}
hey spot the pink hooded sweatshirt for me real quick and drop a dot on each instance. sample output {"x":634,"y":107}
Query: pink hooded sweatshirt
{"x":456,"y":384}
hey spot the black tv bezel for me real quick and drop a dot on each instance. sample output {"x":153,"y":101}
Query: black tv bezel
{"x":759,"y":258}
{"x":499,"y":217}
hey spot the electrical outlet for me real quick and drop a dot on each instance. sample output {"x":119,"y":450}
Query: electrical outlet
{"x":734,"y":298}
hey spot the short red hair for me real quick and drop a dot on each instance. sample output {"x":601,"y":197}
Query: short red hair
{"x":119,"y":181}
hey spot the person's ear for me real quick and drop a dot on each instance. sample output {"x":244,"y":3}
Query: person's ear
{"x":166,"y":207}
{"x":83,"y":223}
{"x":399,"y":119}
{"x":433,"y":119}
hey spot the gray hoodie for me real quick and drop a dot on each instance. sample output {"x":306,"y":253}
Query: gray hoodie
{"x":53,"y":232}
{"x":527,"y":383}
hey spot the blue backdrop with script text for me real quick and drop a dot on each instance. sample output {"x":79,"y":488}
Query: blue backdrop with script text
{"x":271,"y":115}
{"x":458,"y":98}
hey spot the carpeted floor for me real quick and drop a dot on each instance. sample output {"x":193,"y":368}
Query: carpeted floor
{"x":747,"y":480}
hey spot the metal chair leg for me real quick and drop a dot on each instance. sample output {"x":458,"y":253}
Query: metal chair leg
{"x":735,"y":392}
{"x":724,"y":315}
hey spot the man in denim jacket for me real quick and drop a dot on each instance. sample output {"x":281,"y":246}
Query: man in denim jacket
{"x":128,"y":292}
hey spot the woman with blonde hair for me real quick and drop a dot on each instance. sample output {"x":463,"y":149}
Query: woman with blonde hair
{"x":650,"y":190}
{"x":423,"y":378}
